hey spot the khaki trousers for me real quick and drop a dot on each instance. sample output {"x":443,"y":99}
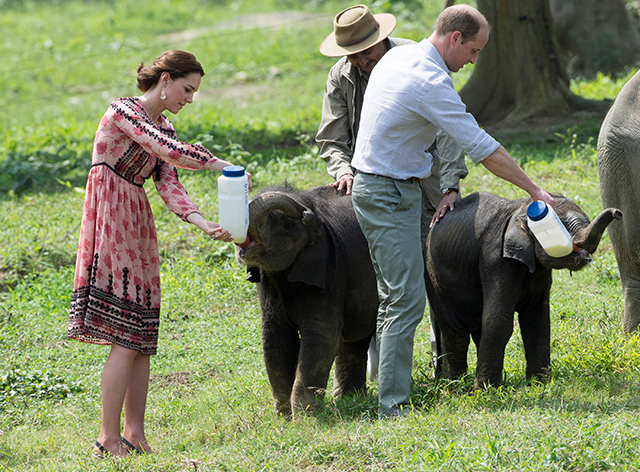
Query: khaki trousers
{"x":389,"y":213}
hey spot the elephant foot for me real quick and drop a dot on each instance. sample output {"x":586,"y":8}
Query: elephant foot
{"x":454,"y":372}
{"x":285,"y":413}
{"x":283,"y":408}
{"x":539,"y":375}
{"x":484,"y":384}
{"x":342,"y":391}
{"x":309,"y":402}
{"x":310,"y":409}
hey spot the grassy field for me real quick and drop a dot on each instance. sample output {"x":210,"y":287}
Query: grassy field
{"x":210,"y":407}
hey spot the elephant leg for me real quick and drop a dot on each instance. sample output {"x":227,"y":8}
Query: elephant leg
{"x":501,"y":296}
{"x":496,"y":331}
{"x":449,"y":337}
{"x":318,"y":349}
{"x":631,"y":291}
{"x":535,"y":327}
{"x":439,"y":311}
{"x":455,"y":346}
{"x":280,"y":346}
{"x":350,"y":369}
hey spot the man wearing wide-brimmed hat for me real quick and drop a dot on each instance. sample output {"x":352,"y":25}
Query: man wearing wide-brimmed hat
{"x":361,"y":38}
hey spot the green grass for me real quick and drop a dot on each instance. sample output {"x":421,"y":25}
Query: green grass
{"x":210,"y":406}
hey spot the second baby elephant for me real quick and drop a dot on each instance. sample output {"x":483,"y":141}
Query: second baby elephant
{"x":483,"y":265}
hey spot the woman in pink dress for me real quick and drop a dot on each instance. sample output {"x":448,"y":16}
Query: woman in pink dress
{"x":116,"y":290}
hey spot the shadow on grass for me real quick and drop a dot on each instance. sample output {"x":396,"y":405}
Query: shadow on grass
{"x":426,"y":391}
{"x":604,"y":394}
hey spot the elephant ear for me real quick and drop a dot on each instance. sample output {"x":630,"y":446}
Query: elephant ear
{"x":518,"y":242}
{"x":315,"y":263}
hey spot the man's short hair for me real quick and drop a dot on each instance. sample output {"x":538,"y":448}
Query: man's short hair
{"x":461,"y":18}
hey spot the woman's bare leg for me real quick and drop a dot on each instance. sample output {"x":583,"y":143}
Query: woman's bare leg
{"x":135,"y":403}
{"x":115,"y":380}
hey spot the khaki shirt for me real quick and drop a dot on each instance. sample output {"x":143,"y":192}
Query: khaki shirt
{"x":341,"y":106}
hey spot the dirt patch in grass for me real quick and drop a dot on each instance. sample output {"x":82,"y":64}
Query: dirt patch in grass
{"x":249,"y":21}
{"x":175,"y":379}
{"x":242,"y":94}
{"x":548,"y":123}
{"x":240,"y":90}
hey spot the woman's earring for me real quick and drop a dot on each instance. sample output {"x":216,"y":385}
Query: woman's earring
{"x":163,"y":95}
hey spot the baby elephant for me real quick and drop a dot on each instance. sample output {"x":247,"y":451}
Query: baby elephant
{"x":483,"y":265}
{"x":317,"y":292}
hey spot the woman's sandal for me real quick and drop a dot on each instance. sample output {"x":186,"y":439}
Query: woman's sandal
{"x":103,"y":451}
{"x":132,"y":449}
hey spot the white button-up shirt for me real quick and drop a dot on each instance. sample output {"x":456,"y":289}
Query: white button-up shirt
{"x":409,"y":97}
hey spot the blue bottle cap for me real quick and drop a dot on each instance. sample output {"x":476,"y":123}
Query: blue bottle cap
{"x":537,"y":210}
{"x":233,"y":171}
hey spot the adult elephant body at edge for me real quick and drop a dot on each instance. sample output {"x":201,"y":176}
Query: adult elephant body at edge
{"x":619,"y":168}
{"x":483,"y":265}
{"x":317,"y":293}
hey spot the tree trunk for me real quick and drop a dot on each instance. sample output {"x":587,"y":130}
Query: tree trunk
{"x":519,"y":73}
{"x":596,"y":36}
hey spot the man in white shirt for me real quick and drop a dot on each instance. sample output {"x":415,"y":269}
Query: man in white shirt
{"x":361,"y":38}
{"x":410,"y":96}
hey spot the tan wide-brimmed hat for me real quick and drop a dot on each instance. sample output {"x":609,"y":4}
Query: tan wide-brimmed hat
{"x":356,"y":29}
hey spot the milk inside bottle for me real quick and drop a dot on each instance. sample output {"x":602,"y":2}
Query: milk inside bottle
{"x":548,"y":229}
{"x":233,"y":202}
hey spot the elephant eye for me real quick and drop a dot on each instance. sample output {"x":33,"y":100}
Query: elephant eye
{"x":288,"y":223}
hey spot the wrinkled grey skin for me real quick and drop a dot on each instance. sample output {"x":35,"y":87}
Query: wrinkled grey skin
{"x":619,"y":167}
{"x":483,"y":265}
{"x":317,"y":293}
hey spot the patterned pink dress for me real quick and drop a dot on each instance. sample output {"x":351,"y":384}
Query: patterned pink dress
{"x":116,"y":290}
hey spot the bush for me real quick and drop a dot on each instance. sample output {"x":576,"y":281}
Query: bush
{"x":24,"y":169}
{"x":23,"y":386}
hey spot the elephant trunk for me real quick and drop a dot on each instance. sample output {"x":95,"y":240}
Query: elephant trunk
{"x":589,"y":237}
{"x":263,"y":204}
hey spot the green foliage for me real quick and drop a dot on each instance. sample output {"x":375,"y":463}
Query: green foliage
{"x":17,"y":386}
{"x":602,"y":86}
{"x":30,"y":169}
{"x":408,"y":12}
{"x":59,"y":76}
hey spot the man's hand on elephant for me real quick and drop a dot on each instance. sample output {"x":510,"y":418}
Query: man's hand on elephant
{"x":345,"y":181}
{"x":446,"y":204}
{"x":545,"y":197}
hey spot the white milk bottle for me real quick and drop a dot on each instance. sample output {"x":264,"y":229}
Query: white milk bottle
{"x":233,"y":202}
{"x":548,"y":229}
